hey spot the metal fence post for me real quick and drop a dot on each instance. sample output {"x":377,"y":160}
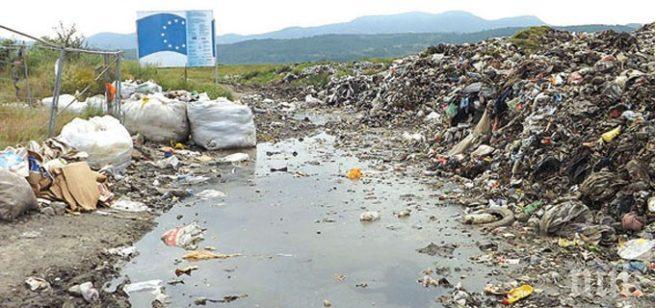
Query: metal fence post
{"x":118,"y":88}
{"x":106,"y":80}
{"x":27,"y":78}
{"x":59,"y":67}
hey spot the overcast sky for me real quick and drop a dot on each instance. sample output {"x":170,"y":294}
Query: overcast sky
{"x":250,"y":17}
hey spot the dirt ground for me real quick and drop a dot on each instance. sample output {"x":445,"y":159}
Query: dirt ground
{"x":64,"y":250}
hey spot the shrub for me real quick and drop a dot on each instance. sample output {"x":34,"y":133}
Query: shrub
{"x":76,"y":77}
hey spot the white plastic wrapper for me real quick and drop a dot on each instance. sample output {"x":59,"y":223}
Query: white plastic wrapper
{"x":221,"y":124}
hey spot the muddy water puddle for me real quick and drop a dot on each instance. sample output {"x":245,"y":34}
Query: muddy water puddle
{"x":301,"y":240}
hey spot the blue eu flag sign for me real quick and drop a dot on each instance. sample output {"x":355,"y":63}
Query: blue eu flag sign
{"x":176,"y":38}
{"x":161,"y":32}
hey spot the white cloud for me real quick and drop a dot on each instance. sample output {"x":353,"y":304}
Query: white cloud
{"x":250,"y":16}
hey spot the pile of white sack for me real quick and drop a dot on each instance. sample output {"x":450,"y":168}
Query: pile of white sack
{"x":213,"y":124}
{"x":128,"y":89}
{"x":160,"y":117}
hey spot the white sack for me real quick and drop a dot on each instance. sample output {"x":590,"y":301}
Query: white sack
{"x":157,"y":118}
{"x":64,"y":100}
{"x":104,"y":138}
{"x":221,"y":124}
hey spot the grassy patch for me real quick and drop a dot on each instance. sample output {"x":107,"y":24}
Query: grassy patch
{"x":530,"y":39}
{"x":20,"y":125}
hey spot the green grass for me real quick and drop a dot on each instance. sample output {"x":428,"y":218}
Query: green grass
{"x":20,"y":125}
{"x":530,"y":39}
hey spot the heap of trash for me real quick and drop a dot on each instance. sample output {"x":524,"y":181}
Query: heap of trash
{"x":76,"y":170}
{"x":554,"y":127}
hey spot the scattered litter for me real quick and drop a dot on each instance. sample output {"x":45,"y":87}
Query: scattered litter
{"x":433,"y":249}
{"x":234,"y":158}
{"x":30,"y":234}
{"x":123,"y":251}
{"x":637,"y":249}
{"x":185,"y":270}
{"x":186,"y":237}
{"x":403,"y":213}
{"x":369,"y":216}
{"x":129,"y":206}
{"x":171,"y":162}
{"x":86,"y":291}
{"x":518,"y":294}
{"x":210,"y":194}
{"x":200,"y":255}
{"x":150,"y":285}
{"x":35,"y":283}
{"x":354,"y":174}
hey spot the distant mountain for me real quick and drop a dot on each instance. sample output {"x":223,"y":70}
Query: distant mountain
{"x":350,"y":47}
{"x":414,"y":22}
{"x":108,"y":40}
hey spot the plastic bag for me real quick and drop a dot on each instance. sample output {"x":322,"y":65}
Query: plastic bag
{"x":186,"y":237}
{"x":557,"y":216}
{"x":104,"y":138}
{"x":157,"y":118}
{"x":15,"y":161}
{"x":130,"y":87}
{"x":148,"y":87}
{"x":16,"y":196}
{"x":221,"y":124}
{"x":638,"y":249}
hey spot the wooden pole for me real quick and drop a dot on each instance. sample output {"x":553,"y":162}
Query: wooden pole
{"x":59,"y":67}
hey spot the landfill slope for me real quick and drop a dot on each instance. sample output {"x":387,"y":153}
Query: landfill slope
{"x":550,"y":135}
{"x":535,"y":117}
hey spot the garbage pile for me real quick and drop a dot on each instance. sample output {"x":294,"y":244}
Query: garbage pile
{"x":53,"y":177}
{"x":560,"y":132}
